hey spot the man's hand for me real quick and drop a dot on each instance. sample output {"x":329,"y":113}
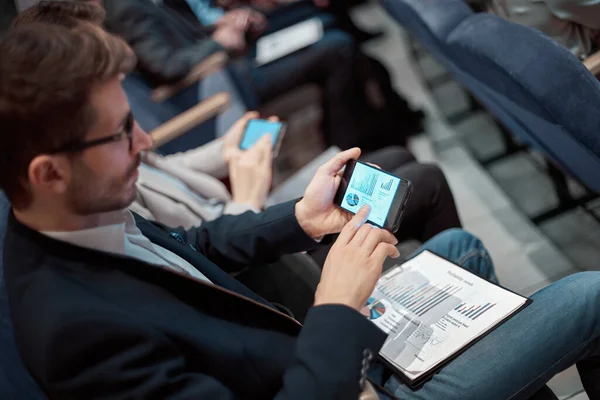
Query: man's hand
{"x":230,"y":37}
{"x":354,"y":263}
{"x":251,"y":173}
{"x":316,"y":213}
{"x":245,"y":20}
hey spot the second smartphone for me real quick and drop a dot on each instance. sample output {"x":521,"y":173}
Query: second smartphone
{"x":387,"y":194}
{"x":257,"y":128}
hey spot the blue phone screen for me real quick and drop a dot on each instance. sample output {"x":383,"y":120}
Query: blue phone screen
{"x":369,"y":185}
{"x":257,"y":128}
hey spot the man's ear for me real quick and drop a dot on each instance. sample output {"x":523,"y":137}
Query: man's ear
{"x":50,"y":174}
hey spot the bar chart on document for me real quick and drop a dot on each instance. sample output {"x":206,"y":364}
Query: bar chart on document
{"x":432,"y":297}
{"x":418,"y":299}
{"x":430,"y":307}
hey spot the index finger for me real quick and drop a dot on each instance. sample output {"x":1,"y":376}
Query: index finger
{"x":334,"y":165}
{"x":350,"y":229}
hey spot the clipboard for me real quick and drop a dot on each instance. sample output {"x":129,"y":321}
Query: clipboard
{"x":416,"y":383}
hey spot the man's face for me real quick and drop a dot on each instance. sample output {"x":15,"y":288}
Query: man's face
{"x":103,"y":177}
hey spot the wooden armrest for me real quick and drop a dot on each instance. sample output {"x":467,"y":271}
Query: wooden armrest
{"x":592,"y":63}
{"x":191,"y":118}
{"x":210,"y":65}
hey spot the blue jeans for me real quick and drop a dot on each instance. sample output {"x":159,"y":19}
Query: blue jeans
{"x":559,"y":329}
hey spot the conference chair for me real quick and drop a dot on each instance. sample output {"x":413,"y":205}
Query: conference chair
{"x":428,"y":23}
{"x":541,"y":92}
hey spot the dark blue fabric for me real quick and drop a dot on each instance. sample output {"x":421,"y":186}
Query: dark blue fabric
{"x":430,"y":21}
{"x":538,"y":83}
{"x":535,"y":87}
{"x":15,"y":381}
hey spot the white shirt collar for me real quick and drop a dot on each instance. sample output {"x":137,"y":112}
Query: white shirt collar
{"x":110,"y":238}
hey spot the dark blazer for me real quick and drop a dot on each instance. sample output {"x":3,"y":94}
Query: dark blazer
{"x":167,"y":44}
{"x":95,"y":325}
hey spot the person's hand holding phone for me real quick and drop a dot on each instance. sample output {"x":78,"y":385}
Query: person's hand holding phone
{"x":316,"y":212}
{"x":233,"y":137}
{"x":230,"y":30}
{"x":251,"y":174}
{"x":355,"y":262}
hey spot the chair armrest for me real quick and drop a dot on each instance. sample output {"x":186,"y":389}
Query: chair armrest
{"x":592,"y":63}
{"x":191,"y":118}
{"x":210,"y":65}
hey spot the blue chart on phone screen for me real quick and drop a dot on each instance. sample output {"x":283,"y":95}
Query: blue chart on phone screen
{"x":372,"y":187}
{"x":387,"y":185}
{"x":366,"y":184}
{"x":352,"y":199}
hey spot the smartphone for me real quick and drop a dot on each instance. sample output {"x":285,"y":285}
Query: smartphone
{"x":387,"y":194}
{"x":257,"y":128}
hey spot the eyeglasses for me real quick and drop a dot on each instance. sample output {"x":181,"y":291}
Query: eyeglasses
{"x":126,"y":133}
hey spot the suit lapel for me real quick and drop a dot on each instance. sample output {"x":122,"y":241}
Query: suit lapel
{"x":215,"y":274}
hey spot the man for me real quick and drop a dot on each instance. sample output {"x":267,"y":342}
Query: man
{"x":360,"y":107}
{"x":108,"y":305}
{"x":574,"y":24}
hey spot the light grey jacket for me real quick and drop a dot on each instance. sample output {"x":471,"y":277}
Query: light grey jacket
{"x":184,"y":189}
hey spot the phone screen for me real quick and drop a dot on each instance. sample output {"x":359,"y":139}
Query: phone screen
{"x":369,"y":185}
{"x":257,"y":128}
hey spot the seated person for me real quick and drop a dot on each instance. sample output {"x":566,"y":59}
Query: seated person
{"x":108,"y":305}
{"x":360,"y":105}
{"x":574,"y":24}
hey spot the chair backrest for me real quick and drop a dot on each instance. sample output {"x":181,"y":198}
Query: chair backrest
{"x":540,"y":90}
{"x":15,"y":381}
{"x":429,"y":21}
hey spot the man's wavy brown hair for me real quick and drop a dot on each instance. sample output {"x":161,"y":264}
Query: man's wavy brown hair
{"x":51,"y":60}
{"x":62,"y":12}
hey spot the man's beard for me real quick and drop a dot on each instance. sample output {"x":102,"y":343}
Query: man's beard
{"x":93,"y":195}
